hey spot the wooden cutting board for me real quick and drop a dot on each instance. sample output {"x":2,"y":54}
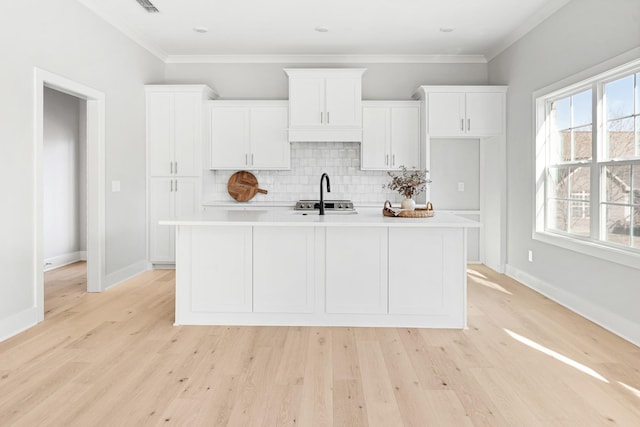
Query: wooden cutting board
{"x":243,"y":185}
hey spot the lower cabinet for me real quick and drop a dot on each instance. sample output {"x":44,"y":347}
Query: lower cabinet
{"x":221,"y":269}
{"x":417,"y":270}
{"x":283,"y":269}
{"x":306,"y":275}
{"x":169,"y":198}
{"x":356,"y":270}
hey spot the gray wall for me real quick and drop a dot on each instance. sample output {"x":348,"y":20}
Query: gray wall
{"x":64,"y":37}
{"x":579,"y":36}
{"x":62,"y":176}
{"x":268,"y":81}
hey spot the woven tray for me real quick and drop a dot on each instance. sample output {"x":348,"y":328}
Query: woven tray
{"x":425,"y":212}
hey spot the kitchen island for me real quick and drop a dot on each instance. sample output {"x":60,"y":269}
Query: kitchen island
{"x":280,"y":267}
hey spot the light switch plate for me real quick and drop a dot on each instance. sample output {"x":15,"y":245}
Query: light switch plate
{"x":115,"y":186}
{"x":461,"y":186}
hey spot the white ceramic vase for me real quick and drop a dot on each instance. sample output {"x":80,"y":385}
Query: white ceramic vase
{"x":408,"y":204}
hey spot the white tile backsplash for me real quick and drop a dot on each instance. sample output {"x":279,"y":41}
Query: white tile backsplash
{"x":309,"y":160}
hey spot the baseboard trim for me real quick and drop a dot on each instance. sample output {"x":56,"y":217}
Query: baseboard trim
{"x":124,"y":274}
{"x":612,"y":322}
{"x":17,"y":323}
{"x":64,"y":259}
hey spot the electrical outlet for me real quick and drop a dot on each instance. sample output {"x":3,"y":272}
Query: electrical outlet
{"x":461,"y":186}
{"x":115,"y":186}
{"x":530,"y":255}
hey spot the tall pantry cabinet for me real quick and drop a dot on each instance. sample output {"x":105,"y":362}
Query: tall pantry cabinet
{"x":175,"y":125}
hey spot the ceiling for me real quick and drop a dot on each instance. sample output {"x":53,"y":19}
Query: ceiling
{"x":378,"y":30}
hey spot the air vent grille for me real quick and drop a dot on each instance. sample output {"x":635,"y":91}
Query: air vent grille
{"x":148,"y":6}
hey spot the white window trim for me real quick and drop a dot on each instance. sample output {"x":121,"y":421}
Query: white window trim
{"x":606,"y":71}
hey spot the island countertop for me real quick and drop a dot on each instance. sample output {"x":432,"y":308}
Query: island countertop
{"x":365,"y":217}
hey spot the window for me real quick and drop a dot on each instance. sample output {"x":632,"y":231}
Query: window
{"x":588,"y":161}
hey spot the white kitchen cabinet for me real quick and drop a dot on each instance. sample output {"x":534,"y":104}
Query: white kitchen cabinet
{"x":475,"y":111}
{"x":174,"y":129}
{"x":390,"y":135}
{"x":221,"y":270}
{"x":325,"y":104}
{"x":283,"y":279}
{"x":169,"y":198}
{"x":249,"y":135}
{"x":356,"y":270}
{"x":411,"y":290}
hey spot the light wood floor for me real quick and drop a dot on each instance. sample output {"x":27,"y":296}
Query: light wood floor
{"x":116,"y":359}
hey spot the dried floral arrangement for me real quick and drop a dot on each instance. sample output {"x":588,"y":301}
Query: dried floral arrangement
{"x":409,"y":182}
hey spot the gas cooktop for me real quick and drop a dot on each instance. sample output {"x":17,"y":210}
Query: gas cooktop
{"x":329,"y":205}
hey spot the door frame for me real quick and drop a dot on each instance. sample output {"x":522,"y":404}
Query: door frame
{"x":95,"y":101}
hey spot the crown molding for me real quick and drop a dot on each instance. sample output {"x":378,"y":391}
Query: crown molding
{"x":127,"y":31}
{"x":326,"y":59}
{"x":529,"y":24}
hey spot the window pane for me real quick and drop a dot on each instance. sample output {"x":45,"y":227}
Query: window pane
{"x":582,"y":138}
{"x":637,"y":94}
{"x":636,"y":185}
{"x":635,"y":239}
{"x":560,"y":146}
{"x":617,"y":224}
{"x":619,"y":97}
{"x":557,"y":215}
{"x":582,"y":109}
{"x":620,"y":138}
{"x":638,"y":136}
{"x":580,"y":181}
{"x":557,"y":183}
{"x":580,"y":222}
{"x":618,"y":183}
{"x":562,"y":108}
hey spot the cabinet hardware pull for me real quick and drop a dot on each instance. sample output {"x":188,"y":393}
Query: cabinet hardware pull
{"x":246,"y":159}
{"x":461,"y":124}
{"x":171,"y":186}
{"x":175,"y":168}
{"x":328,"y":118}
{"x":386,"y":160}
{"x":176,"y":185}
{"x":393,"y":160}
{"x":171,"y":167}
{"x":468,"y":125}
{"x":251,"y":159}
{"x":320,"y":117}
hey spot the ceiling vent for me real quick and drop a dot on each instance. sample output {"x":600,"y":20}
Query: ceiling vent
{"x":148,"y":6}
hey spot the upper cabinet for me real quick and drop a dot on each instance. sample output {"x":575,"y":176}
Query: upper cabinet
{"x":390,"y":134}
{"x":249,"y":135}
{"x":174,"y":128}
{"x":473,"y":111}
{"x":325,"y":104}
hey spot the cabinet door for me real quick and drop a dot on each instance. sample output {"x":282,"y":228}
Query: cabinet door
{"x":186,"y":197}
{"x":376,"y":135}
{"x":485,"y":114}
{"x":405,"y":137}
{"x":229,"y":137}
{"x":187,"y":133}
{"x":161,"y":237}
{"x":283,"y":279}
{"x":446,"y":113}
{"x":356,"y":270}
{"x":270,"y":147}
{"x":415,"y":251}
{"x":160,"y":132}
{"x":343,"y":100}
{"x":306,"y":101}
{"x":221,"y":272}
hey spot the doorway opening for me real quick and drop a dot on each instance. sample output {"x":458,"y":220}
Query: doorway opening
{"x":64,"y":180}
{"x":91,"y":105}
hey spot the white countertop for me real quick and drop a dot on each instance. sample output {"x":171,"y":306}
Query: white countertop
{"x":366,"y":217}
